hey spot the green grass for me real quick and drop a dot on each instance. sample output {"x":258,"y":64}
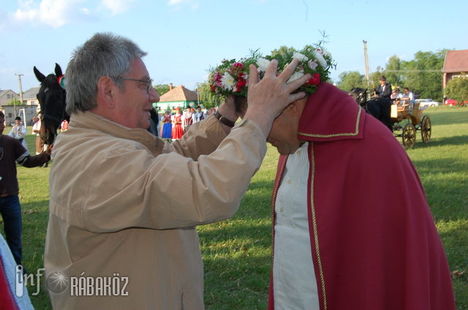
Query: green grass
{"x":237,"y":252}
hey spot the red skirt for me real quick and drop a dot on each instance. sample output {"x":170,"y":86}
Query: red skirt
{"x":177,"y":131}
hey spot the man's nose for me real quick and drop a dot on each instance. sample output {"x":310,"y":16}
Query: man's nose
{"x":153,"y":95}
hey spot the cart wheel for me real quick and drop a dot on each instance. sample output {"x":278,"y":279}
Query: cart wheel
{"x":408,"y":135}
{"x":426,"y":129}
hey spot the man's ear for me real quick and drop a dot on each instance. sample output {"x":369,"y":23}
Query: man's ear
{"x":106,"y":91}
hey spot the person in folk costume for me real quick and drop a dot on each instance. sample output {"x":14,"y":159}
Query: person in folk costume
{"x":177,"y":130}
{"x":166,"y":131}
{"x":187,"y":118}
{"x":352,"y":225}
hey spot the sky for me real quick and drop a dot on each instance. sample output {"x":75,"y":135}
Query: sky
{"x":185,"y":38}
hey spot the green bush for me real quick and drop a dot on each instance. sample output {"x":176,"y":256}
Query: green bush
{"x":457,"y":89}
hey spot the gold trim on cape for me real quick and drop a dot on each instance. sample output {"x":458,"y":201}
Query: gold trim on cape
{"x":314,"y":224}
{"x":347,"y":134}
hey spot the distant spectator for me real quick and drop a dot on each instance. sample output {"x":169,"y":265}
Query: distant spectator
{"x":177,"y":130}
{"x":19,"y":132}
{"x":166,"y":132}
{"x":36,"y":131}
{"x":198,"y":115}
{"x":396,"y":94}
{"x":64,"y":126}
{"x":408,"y":95}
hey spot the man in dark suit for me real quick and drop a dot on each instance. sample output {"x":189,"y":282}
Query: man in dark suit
{"x":379,"y":106}
{"x":384,"y":90}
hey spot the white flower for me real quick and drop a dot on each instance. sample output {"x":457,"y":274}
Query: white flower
{"x":312,"y":64}
{"x":295,"y":76}
{"x":228,"y":81}
{"x":262,"y":64}
{"x":318,"y":56}
{"x":299,"y":56}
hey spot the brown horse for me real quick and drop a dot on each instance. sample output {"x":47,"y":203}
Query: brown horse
{"x":51,"y":98}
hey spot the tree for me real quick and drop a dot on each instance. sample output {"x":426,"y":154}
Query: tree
{"x":457,"y":89}
{"x":393,"y":71}
{"x":207,"y":98}
{"x":424,"y":76}
{"x":351,"y":79}
{"x":161,"y":89}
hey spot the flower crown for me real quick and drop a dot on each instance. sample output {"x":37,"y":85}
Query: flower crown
{"x":230,"y":78}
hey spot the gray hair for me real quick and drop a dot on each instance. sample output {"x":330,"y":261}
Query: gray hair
{"x":105,"y":54}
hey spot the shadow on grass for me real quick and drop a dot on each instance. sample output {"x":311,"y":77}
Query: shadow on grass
{"x":455,"y":140}
{"x":450,"y":117}
{"x":445,"y":188}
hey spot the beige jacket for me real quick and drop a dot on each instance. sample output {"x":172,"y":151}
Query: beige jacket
{"x":123,"y":207}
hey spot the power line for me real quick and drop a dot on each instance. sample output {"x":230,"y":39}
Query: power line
{"x":416,"y":70}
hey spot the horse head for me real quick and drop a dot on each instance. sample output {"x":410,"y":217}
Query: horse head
{"x":360,"y":95}
{"x":51,"y":98}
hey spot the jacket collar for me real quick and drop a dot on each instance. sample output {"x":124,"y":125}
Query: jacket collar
{"x":329,"y":115}
{"x":90,"y":120}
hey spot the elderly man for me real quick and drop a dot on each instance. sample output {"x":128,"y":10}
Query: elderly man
{"x":124,"y":204}
{"x":352,"y":227}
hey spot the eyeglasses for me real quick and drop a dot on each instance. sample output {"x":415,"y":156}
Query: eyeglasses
{"x":147,"y":83}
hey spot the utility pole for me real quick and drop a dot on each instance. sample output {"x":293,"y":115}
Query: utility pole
{"x":366,"y":62}
{"x":19,"y":75}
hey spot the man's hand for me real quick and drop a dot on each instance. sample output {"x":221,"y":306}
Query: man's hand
{"x":267,"y":98}
{"x":48,"y":151}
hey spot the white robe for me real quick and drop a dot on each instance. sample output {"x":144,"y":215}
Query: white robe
{"x":294,"y":281}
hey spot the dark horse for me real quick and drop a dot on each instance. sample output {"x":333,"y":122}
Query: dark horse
{"x":51,"y":98}
{"x":377,"y":107}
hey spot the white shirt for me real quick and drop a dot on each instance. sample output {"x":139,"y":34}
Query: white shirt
{"x":18,"y":132}
{"x":294,"y":281}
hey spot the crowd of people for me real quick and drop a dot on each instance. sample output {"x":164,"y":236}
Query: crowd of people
{"x":351,"y":225}
{"x":385,"y":90}
{"x":172,"y":124}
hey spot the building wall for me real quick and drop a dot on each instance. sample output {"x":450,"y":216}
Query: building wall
{"x":29,"y":110}
{"x":7,"y":97}
{"x":173,"y":104}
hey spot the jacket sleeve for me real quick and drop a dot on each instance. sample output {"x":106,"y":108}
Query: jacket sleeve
{"x":202,"y":138}
{"x":35,"y":161}
{"x":171,"y":190}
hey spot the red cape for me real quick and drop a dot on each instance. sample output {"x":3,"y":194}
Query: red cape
{"x":374,"y":243}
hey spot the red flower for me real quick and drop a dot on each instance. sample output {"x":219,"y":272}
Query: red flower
{"x":314,"y":80}
{"x":238,"y":65}
{"x":240,"y":83}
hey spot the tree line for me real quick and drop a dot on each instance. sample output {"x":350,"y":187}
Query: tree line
{"x":422,"y":74}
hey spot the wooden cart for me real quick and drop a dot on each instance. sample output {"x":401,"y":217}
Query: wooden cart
{"x":415,"y":120}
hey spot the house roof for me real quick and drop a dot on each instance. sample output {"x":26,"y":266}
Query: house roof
{"x":179,"y":93}
{"x":7,"y":91}
{"x":456,"y":61}
{"x":31,"y":93}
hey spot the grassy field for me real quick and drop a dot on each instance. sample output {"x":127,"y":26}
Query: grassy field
{"x":237,"y":253}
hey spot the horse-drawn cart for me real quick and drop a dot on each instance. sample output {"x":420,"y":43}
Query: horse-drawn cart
{"x":400,"y":110}
{"x":415,"y":120}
